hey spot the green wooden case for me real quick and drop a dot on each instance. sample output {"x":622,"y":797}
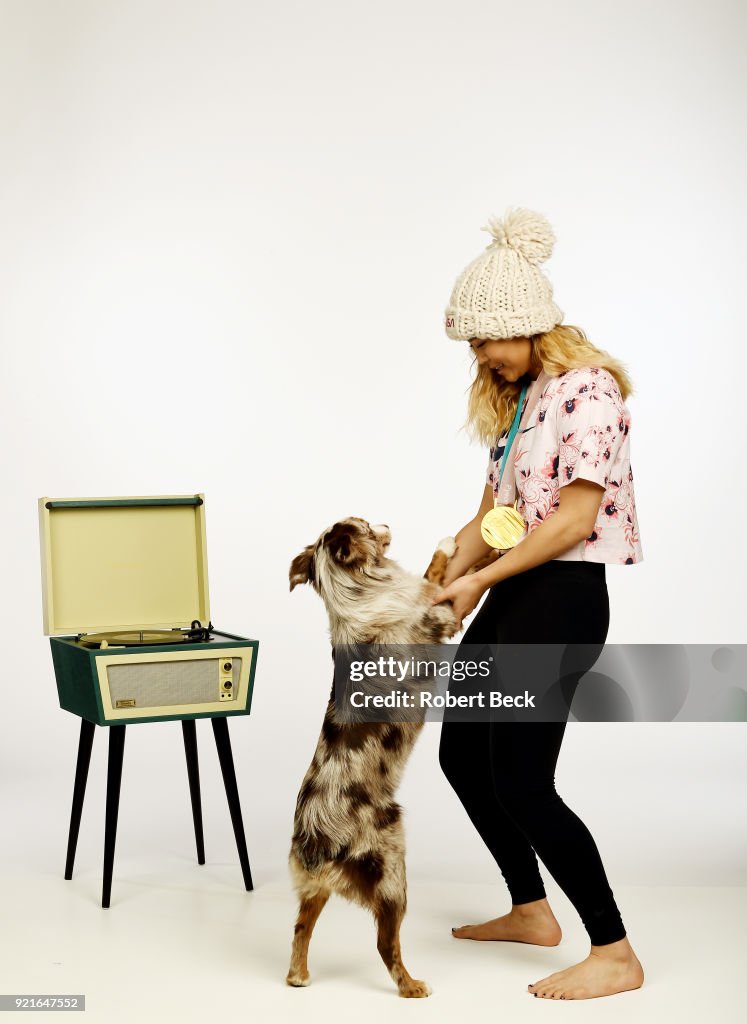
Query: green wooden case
{"x":86,"y":684}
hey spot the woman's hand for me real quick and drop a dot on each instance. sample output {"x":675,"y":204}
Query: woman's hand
{"x":464,"y":594}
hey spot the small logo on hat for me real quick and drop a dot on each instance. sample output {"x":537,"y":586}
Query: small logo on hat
{"x":449,"y":321}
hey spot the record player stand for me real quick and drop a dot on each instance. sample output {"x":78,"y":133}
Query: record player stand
{"x":223,"y":744}
{"x":193,"y":772}
{"x":113,"y":785}
{"x":79,"y":791}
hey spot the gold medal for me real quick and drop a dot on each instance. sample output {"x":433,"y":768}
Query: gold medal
{"x":503,"y":526}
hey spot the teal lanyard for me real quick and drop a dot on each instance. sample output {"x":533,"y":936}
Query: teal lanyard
{"x":512,"y":434}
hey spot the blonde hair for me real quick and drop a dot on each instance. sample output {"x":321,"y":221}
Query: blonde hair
{"x":492,"y":401}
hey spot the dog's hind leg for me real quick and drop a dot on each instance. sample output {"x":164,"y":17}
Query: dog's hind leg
{"x":389,"y":914}
{"x":308,"y":912}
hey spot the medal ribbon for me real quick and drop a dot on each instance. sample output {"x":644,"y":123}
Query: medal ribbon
{"x":507,"y":492}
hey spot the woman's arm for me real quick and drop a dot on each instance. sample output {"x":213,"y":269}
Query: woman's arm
{"x":573,"y":520}
{"x":578,"y":506}
{"x":470,"y":545}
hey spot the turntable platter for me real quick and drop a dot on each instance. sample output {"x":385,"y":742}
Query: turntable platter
{"x":137,"y":638}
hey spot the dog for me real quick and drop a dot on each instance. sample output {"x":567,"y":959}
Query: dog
{"x":348,"y":835}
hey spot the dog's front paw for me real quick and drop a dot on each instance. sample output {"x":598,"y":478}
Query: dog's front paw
{"x":437,"y":568}
{"x":298,"y":980}
{"x":415,"y":990}
{"x":448,"y":545}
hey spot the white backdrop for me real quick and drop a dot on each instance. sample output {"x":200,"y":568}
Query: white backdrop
{"x":229,"y":231}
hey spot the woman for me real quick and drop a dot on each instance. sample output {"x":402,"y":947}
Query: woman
{"x":570,"y":464}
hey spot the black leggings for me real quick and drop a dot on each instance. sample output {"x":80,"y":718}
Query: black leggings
{"x":504,"y":772}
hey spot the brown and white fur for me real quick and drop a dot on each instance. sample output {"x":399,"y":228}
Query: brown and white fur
{"x":348,"y":836}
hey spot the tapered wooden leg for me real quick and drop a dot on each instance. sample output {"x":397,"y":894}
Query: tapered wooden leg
{"x":223,"y":743}
{"x":193,"y":773}
{"x":79,"y":791}
{"x":113,"y":784}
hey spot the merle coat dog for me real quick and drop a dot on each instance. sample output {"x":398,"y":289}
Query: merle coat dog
{"x":348,"y":836}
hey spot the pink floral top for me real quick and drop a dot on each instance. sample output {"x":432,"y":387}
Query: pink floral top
{"x":579,"y":428}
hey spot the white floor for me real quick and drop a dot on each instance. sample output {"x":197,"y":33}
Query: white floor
{"x":189,"y":944}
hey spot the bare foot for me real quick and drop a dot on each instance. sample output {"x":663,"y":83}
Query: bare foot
{"x":526,"y":922}
{"x":606,"y":970}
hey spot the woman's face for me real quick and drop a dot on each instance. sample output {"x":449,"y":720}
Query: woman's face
{"x":509,"y":358}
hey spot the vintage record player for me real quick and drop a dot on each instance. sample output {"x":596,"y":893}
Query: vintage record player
{"x":127,"y":610}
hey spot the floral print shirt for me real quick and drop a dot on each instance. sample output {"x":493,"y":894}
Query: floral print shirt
{"x":580,"y":428}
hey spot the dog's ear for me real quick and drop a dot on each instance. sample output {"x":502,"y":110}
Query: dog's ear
{"x":302,"y":567}
{"x":343,"y":544}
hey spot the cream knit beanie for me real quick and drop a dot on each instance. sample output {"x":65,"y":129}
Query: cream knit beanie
{"x":503,"y":293}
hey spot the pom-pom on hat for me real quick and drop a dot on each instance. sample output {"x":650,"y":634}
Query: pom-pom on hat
{"x":503,"y":293}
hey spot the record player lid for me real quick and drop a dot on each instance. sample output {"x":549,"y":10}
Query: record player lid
{"x":123,"y":563}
